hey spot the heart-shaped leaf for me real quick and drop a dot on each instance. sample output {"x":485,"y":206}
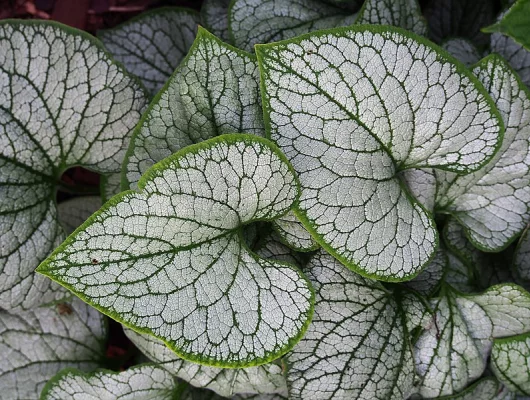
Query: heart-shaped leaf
{"x":349,"y":129}
{"x":213,"y":91}
{"x":144,"y":382}
{"x":63,"y":102}
{"x":493,"y":204}
{"x":357,"y":345}
{"x":153,"y":44}
{"x":510,"y":362}
{"x":260,"y":380}
{"x":170,"y":260}
{"x":35,"y":345}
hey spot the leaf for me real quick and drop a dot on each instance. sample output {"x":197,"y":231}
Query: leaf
{"x":521,"y":260}
{"x":516,"y":55}
{"x":508,"y":307}
{"x":73,"y":212}
{"x":214,"y":14}
{"x":152,"y":44}
{"x":110,"y":185}
{"x":214,"y":91}
{"x":294,"y":234}
{"x":37,"y":344}
{"x":353,"y":202}
{"x":510,"y":362}
{"x":422,"y":185}
{"x":227,"y":382}
{"x":487,"y":388}
{"x":265,"y":21}
{"x":403,"y":13}
{"x":453,"y":351}
{"x":143,"y":382}
{"x":493,"y":204}
{"x":451,"y":18}
{"x":356,"y":347}
{"x":170,"y":260}
{"x":515,"y":23}
{"x":428,"y":281}
{"x":416,"y":310}
{"x":271,"y":247}
{"x":463,"y":50}
{"x":63,"y":103}
{"x":459,"y":274}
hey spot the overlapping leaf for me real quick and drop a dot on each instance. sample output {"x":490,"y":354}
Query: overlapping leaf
{"x":463,"y":50}
{"x":349,"y":129}
{"x":73,"y":212}
{"x":214,"y":14}
{"x":214,"y":91}
{"x":263,"y":379}
{"x":63,"y":102}
{"x":430,"y":278}
{"x":145,"y":382}
{"x":493,"y":203}
{"x":258,"y":21}
{"x":453,"y":351}
{"x":153,"y":44}
{"x":357,"y":345}
{"x":510,"y":361}
{"x":485,"y":389}
{"x":35,"y":345}
{"x":515,"y":23}
{"x":170,"y":260}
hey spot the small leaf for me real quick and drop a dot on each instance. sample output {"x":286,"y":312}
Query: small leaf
{"x":63,"y":103}
{"x":263,"y":379}
{"x":356,"y":347}
{"x":510,"y":362}
{"x":453,"y":351}
{"x":422,"y":185}
{"x":428,"y":281}
{"x":292,"y":231}
{"x":515,"y":23}
{"x":170,"y":260}
{"x":508,"y":307}
{"x":417,"y":312}
{"x":37,"y":344}
{"x":349,"y":129}
{"x":73,"y":212}
{"x":110,"y":185}
{"x":522,"y":256}
{"x":463,"y":50}
{"x":214,"y":91}
{"x":214,"y":14}
{"x":143,"y":382}
{"x":153,"y":44}
{"x":493,"y":204}
{"x":272,"y":247}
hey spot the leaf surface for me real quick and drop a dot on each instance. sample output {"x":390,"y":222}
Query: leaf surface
{"x":144,"y":382}
{"x":214,"y":14}
{"x":522,"y":256}
{"x":214,"y":91}
{"x":37,"y":344}
{"x":453,"y":351}
{"x":73,"y":212}
{"x":463,"y":50}
{"x":510,"y":362}
{"x":170,"y":260}
{"x":63,"y":103}
{"x":153,"y":44}
{"x":353,"y":203}
{"x":403,"y":13}
{"x":357,"y":345}
{"x":493,"y":204}
{"x":263,"y":379}
{"x":487,"y":388}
